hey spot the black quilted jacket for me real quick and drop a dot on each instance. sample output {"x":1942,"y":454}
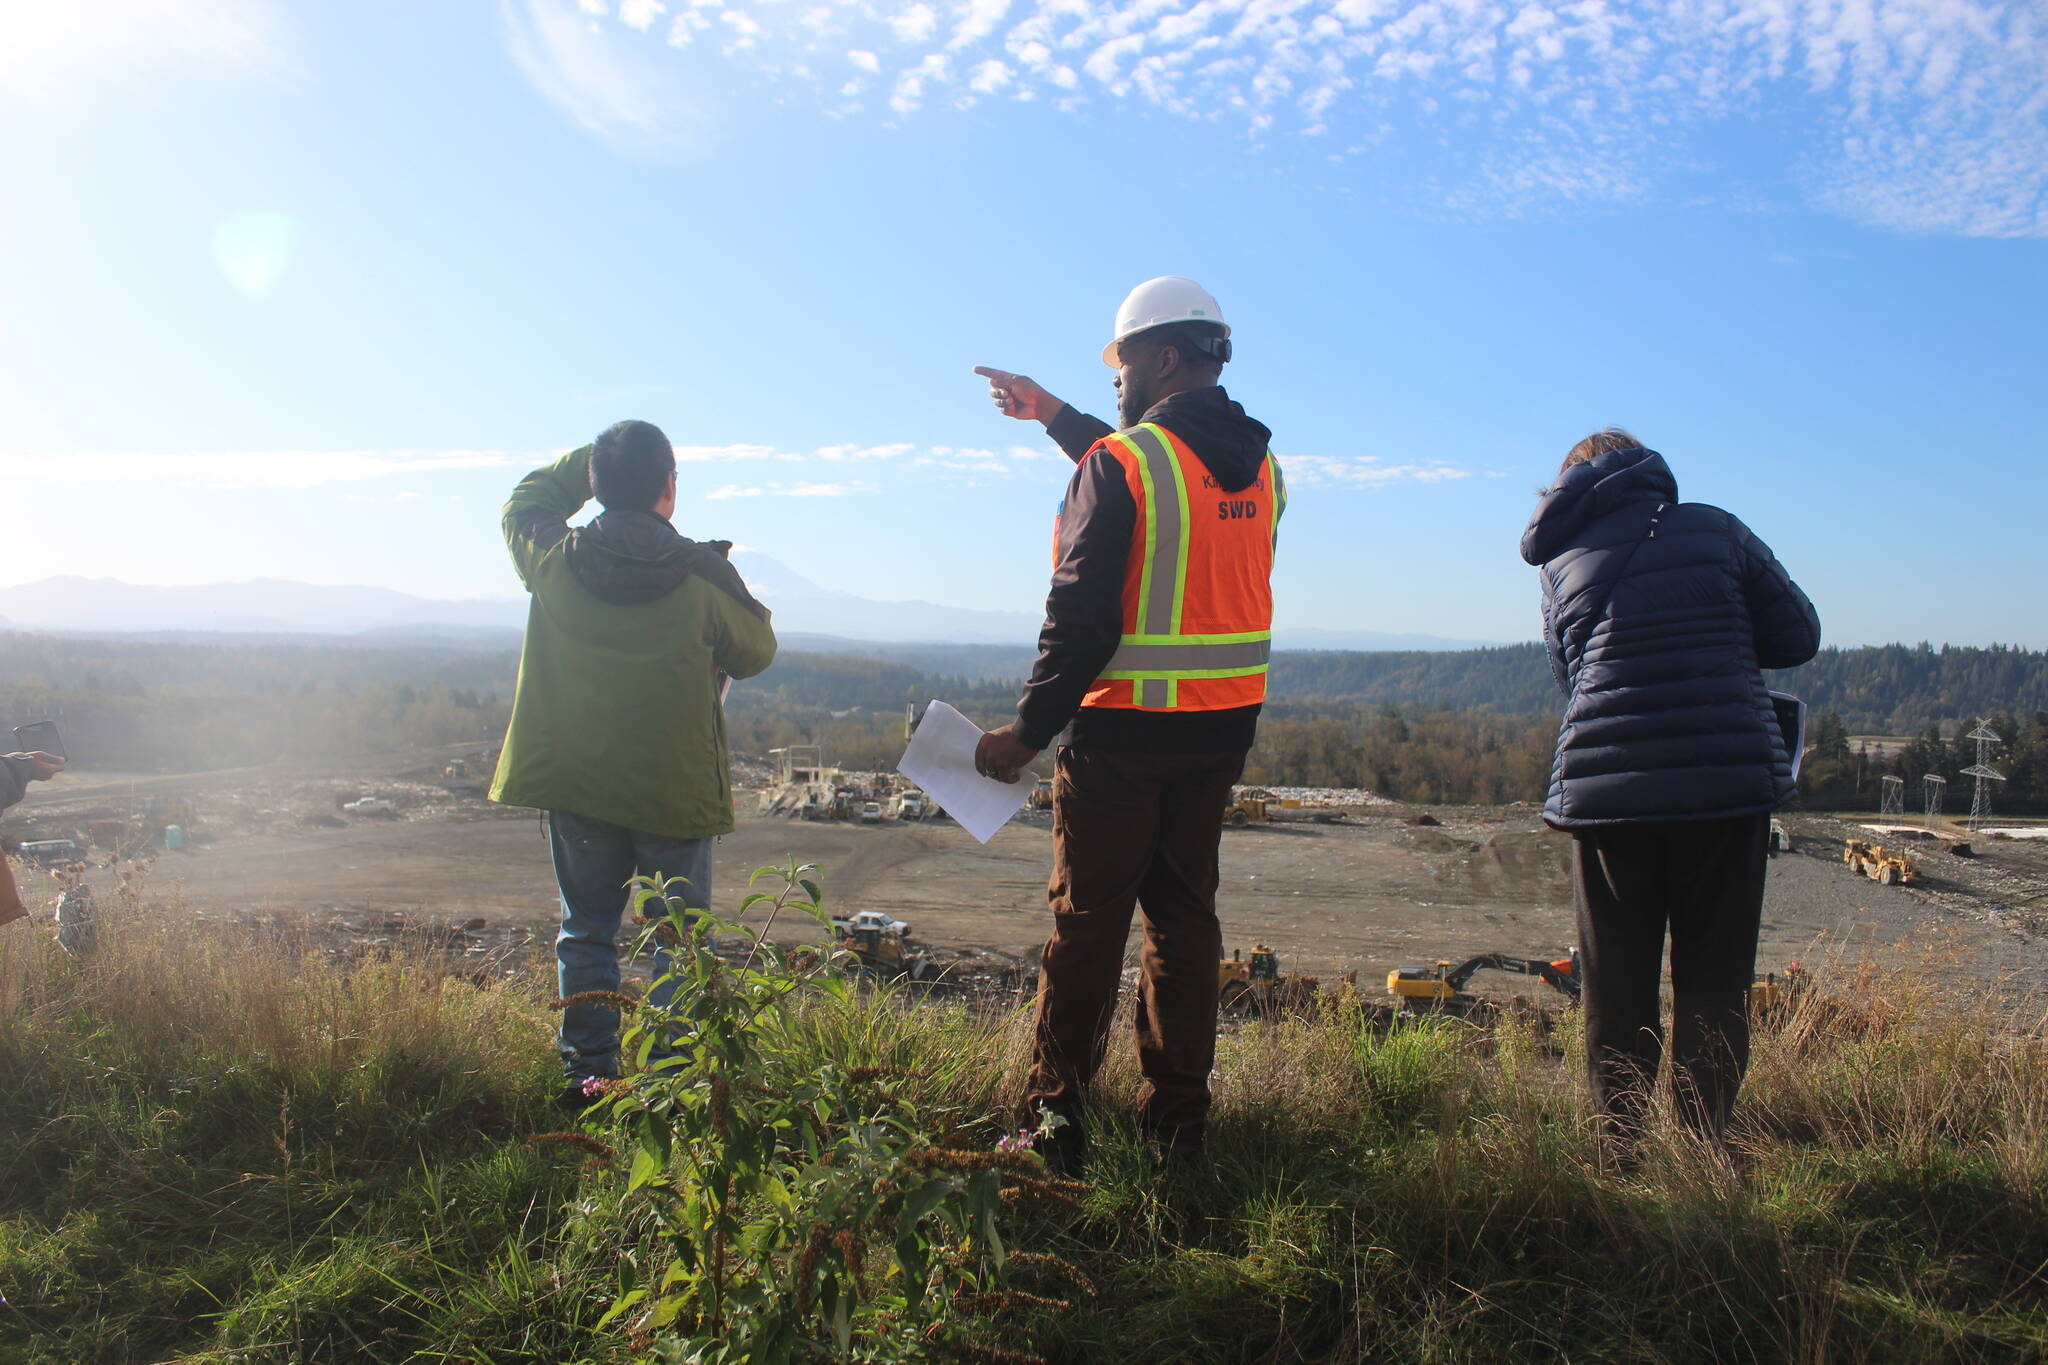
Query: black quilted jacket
{"x":1659,"y":616}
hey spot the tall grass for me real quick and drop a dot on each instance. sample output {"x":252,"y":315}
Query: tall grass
{"x":230,"y":1149}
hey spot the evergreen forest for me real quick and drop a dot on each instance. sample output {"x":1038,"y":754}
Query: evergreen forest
{"x":1470,"y":726}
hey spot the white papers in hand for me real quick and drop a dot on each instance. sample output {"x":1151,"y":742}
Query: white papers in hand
{"x":1791,"y":712}
{"x":940,"y":759}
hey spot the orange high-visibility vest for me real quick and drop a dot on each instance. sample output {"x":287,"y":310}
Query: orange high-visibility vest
{"x":1198,"y":590}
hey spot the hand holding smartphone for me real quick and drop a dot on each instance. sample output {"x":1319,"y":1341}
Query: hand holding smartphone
{"x":41,"y":739}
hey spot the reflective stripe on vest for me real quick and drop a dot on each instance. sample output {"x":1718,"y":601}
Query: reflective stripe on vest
{"x":1154,"y":656}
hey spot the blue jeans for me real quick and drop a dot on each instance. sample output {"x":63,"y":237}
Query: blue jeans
{"x":593,"y":859}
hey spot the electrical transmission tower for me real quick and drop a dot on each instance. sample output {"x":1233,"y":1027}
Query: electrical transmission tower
{"x":1980,"y":800}
{"x":1933,"y":787}
{"x":1893,"y":798}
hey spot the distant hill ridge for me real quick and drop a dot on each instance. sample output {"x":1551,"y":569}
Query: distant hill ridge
{"x":278,"y":607}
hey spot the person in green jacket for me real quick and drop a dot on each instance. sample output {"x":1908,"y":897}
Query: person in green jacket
{"x":618,"y":731}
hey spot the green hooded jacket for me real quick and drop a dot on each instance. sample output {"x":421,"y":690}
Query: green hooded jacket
{"x":630,"y":633}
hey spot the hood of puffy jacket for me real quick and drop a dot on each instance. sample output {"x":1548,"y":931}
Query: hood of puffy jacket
{"x":1232,"y":445}
{"x":1589,"y":491}
{"x":630,"y":557}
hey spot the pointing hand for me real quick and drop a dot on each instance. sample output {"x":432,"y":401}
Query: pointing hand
{"x":1019,"y":396}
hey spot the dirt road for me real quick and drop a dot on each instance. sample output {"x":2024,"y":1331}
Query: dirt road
{"x":1367,"y":895}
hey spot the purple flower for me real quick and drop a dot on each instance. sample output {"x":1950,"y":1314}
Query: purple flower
{"x":1020,"y":1141}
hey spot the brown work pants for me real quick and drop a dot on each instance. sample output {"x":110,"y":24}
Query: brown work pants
{"x":1133,"y":829}
{"x":1703,"y":882}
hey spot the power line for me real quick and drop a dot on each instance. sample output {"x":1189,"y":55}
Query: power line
{"x":1980,"y":800}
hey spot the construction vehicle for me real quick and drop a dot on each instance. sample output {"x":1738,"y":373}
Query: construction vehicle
{"x":1246,"y":810}
{"x":1041,"y":795}
{"x":910,"y":805}
{"x":1886,"y":869}
{"x":1769,"y":994}
{"x":1780,"y":841}
{"x":1443,"y":986}
{"x":881,"y":943}
{"x":1256,"y":807}
{"x":1258,"y":986}
{"x":872,"y":922}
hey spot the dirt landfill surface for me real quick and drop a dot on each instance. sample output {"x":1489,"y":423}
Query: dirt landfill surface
{"x":1388,"y":886}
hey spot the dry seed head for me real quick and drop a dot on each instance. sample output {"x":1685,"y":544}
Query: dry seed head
{"x":1047,"y":1261}
{"x":581,"y":1141}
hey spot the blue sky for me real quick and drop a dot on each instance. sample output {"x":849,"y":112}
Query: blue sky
{"x":297,"y":291}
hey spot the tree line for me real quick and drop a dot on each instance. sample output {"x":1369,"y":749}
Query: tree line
{"x":1472,"y":726}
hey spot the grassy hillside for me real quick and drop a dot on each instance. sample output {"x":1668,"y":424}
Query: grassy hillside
{"x":226,"y":1150}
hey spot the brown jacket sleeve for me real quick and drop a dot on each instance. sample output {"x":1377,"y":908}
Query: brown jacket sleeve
{"x":1084,"y":612}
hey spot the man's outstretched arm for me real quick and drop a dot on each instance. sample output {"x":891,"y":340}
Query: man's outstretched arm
{"x":536,"y":518}
{"x":1019,"y":396}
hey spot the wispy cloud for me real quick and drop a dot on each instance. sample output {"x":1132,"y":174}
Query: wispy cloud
{"x":280,"y":469}
{"x":1363,"y":471}
{"x":607,"y":73}
{"x":67,"y":52}
{"x":1918,"y":115}
{"x":781,"y":490}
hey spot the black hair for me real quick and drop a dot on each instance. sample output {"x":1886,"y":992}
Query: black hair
{"x":629,"y":466}
{"x":1201,"y":344}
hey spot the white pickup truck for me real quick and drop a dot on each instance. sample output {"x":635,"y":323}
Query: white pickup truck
{"x":872,"y":922}
{"x":371,"y":805}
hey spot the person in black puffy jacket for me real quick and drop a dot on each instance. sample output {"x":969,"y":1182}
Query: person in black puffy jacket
{"x":1659,"y":617}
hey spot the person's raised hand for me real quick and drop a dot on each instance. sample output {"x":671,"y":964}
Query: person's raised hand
{"x":47,"y":766}
{"x":1001,"y":755}
{"x":1019,"y":396}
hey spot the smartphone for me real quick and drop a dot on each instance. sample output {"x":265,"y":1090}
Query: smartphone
{"x":39,"y":737}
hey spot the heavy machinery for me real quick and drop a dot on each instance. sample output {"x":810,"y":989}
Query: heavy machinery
{"x":1443,"y":986}
{"x":1246,"y":810}
{"x":1780,"y":841}
{"x":1886,"y":869}
{"x":1041,"y":795}
{"x":1257,"y":986}
{"x":1771,"y":994}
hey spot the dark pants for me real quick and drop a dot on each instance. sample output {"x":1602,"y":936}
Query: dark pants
{"x":1704,"y":880}
{"x":1133,"y":830}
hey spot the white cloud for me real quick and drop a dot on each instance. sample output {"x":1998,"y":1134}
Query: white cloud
{"x":603,"y":78}
{"x":641,"y":14}
{"x":729,"y":491}
{"x":1363,"y":471}
{"x":915,"y":24}
{"x":1917,"y":115}
{"x":70,"y":52}
{"x":275,"y":469}
{"x":302,"y":469}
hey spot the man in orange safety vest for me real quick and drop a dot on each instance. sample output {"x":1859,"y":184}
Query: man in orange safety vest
{"x":1151,"y":672}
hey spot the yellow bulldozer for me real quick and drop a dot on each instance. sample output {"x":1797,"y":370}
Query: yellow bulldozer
{"x":1886,"y":869}
{"x":1247,"y":810}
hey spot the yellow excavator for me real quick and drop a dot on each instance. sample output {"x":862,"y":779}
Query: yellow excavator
{"x":1443,"y":986}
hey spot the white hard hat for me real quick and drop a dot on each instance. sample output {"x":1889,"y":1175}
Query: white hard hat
{"x":1170,"y":298}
